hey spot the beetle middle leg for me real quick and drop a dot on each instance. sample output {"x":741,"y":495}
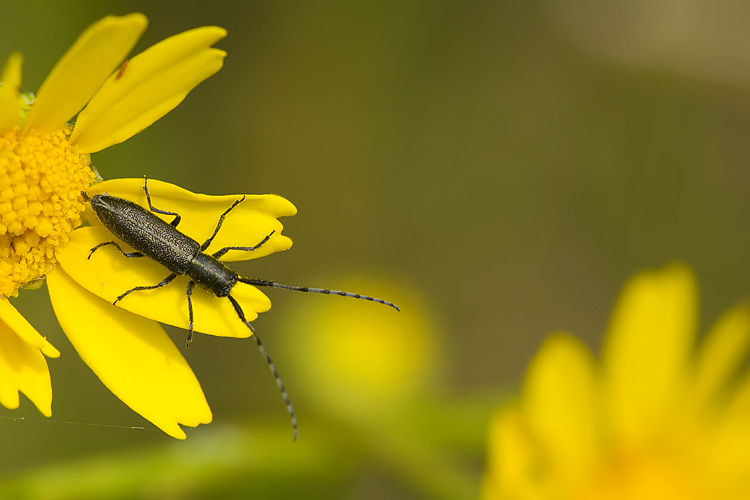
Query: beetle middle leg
{"x":221,"y":221}
{"x":224,"y":250}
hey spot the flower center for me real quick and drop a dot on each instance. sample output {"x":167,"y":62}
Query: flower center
{"x":41,"y":179}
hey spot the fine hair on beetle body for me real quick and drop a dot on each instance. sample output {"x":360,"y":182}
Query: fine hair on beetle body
{"x":154,"y":238}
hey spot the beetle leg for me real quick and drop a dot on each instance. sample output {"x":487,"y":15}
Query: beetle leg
{"x":177,"y":217}
{"x":221,"y":221}
{"x":130,"y":255}
{"x":224,"y":250}
{"x":162,"y":283}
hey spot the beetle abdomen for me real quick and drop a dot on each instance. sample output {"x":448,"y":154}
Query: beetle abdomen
{"x":146,"y":233}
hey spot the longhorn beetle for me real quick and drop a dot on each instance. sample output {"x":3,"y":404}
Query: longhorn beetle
{"x":152,"y":237}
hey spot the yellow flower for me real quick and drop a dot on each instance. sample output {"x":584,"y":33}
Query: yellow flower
{"x":656,"y":419}
{"x":361,"y":361}
{"x":44,"y":162}
{"x":132,"y":355}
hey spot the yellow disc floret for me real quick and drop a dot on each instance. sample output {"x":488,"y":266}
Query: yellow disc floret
{"x":41,"y":179}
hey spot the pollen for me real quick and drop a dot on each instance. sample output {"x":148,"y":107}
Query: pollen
{"x":41,"y":179}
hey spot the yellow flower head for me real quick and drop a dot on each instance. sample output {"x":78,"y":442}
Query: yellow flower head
{"x":656,"y":419}
{"x":44,"y":161}
{"x":129,"y":352}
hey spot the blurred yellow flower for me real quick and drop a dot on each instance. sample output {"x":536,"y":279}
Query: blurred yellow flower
{"x":656,"y":419}
{"x":358,"y":360}
{"x":44,"y":162}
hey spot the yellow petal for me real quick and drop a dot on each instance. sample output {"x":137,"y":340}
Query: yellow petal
{"x":22,"y":364}
{"x":82,"y":69}
{"x":646,"y":350}
{"x":132,"y":356}
{"x":560,"y":404}
{"x":16,"y":322}
{"x":721,"y":355}
{"x":516,"y":466}
{"x":738,"y":404}
{"x":10,"y":105}
{"x":729,"y":443}
{"x":148,"y":87}
{"x":246,"y":225}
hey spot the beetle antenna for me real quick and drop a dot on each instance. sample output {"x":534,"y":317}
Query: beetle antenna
{"x":271,"y":365}
{"x":273,"y":284}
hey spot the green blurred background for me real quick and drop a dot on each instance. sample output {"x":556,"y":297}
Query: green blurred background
{"x":509,"y":164}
